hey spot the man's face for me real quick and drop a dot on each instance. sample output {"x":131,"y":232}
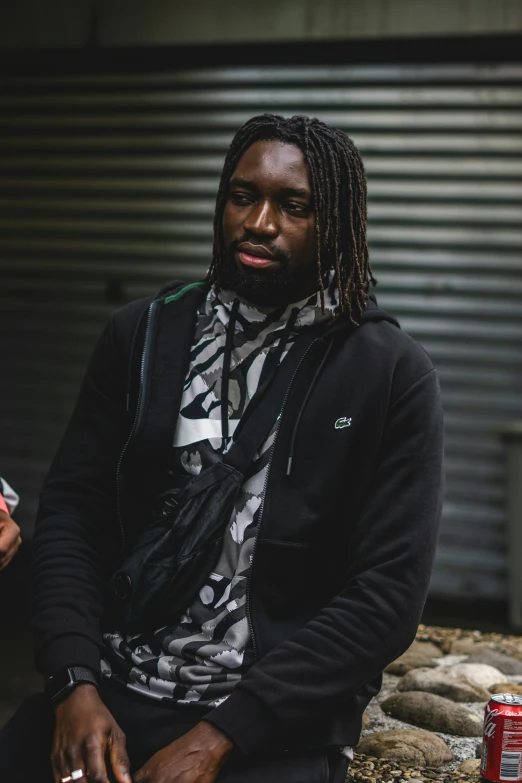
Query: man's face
{"x":269,"y":226}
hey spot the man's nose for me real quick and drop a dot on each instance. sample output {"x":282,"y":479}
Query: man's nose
{"x":262,"y":220}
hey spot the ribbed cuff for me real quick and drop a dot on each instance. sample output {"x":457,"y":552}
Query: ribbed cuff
{"x":65,"y":651}
{"x":246,"y":720}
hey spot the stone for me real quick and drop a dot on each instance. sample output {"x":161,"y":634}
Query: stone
{"x":366,"y":720}
{"x":413,"y":747}
{"x":428,"y":649}
{"x":505,"y":687}
{"x":468,"y":646}
{"x":469,"y":767}
{"x":409,"y":661}
{"x":435,"y":681}
{"x":435,"y":713}
{"x":504,"y":663}
{"x":480,"y":673}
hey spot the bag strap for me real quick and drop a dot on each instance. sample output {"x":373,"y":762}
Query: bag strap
{"x":258,"y":425}
{"x":172,"y":331}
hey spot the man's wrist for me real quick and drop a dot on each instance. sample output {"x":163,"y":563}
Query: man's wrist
{"x":82,"y":695}
{"x":217,"y":742}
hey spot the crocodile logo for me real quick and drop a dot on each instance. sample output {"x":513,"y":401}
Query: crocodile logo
{"x":343,"y":422}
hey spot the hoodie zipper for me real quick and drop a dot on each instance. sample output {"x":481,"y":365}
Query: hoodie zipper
{"x":137,"y":416}
{"x":262,"y":508}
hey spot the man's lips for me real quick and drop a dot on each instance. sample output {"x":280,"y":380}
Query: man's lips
{"x":256,"y":261}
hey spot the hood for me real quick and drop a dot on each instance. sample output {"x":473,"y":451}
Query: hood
{"x":372,"y":312}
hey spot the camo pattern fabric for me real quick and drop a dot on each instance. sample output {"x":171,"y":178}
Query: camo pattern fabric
{"x":203,"y":656}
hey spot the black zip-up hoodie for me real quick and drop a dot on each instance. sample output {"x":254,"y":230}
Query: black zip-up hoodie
{"x":345,"y":545}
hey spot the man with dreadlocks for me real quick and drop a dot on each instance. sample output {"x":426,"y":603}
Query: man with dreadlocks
{"x":237,"y":533}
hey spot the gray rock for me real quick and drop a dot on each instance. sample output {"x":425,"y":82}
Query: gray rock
{"x":436,"y":681}
{"x":505,"y":687}
{"x":409,"y":661}
{"x":469,"y":767}
{"x":435,"y":713}
{"x":504,"y":663}
{"x":468,"y":646}
{"x":480,"y":673}
{"x":414,"y":747}
{"x":366,"y":720}
{"x":428,"y":649}
{"x":478,"y":751}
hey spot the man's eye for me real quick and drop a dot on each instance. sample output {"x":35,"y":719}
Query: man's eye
{"x":294,"y":207}
{"x":240,"y":198}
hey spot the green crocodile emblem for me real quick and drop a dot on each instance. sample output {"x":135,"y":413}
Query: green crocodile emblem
{"x":343,"y":422}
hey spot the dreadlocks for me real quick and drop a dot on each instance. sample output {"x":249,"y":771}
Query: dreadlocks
{"x":338,"y":187}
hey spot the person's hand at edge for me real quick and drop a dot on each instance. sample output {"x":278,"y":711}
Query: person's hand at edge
{"x":197,"y":757}
{"x":86,"y":736}
{"x":10,"y":539}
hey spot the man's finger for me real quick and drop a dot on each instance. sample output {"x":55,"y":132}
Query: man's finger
{"x":60,"y":766}
{"x":141,"y":775}
{"x":73,"y":761}
{"x":9,"y":537}
{"x":56,"y":768}
{"x":6,"y":558}
{"x":94,"y":760}
{"x":119,"y":759}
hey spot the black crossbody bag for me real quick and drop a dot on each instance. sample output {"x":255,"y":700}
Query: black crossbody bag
{"x":171,"y":560}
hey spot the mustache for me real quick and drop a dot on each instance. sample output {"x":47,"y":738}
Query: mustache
{"x":276,"y":252}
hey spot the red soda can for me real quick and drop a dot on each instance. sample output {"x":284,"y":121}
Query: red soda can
{"x":502,"y":741}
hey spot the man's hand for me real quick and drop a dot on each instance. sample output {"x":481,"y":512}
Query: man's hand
{"x":197,"y":757}
{"x":9,"y":539}
{"x":85,"y":734}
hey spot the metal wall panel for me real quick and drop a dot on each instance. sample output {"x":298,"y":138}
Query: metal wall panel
{"x":107,"y":188}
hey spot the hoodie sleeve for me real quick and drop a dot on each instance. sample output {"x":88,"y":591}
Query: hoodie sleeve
{"x":76,"y":521}
{"x":374,"y":616}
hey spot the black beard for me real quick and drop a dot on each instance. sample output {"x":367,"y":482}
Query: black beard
{"x":266,"y":287}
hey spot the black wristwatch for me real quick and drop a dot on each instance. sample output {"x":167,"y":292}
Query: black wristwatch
{"x":63,"y":682}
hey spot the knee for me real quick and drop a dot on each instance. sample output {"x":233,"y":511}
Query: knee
{"x":25,"y":741}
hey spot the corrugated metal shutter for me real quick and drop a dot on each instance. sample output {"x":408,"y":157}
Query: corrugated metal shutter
{"x":107,"y":189}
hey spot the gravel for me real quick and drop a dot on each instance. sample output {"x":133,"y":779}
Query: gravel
{"x":373,"y":770}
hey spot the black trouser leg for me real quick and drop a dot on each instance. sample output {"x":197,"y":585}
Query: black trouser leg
{"x":26,"y":742}
{"x":26,"y":739}
{"x":326,"y":767}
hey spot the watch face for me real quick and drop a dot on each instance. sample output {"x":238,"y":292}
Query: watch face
{"x":59,"y":681}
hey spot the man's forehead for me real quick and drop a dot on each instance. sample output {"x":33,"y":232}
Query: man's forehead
{"x":273,"y":161}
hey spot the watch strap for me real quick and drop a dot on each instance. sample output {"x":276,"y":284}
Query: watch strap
{"x":83,"y":674}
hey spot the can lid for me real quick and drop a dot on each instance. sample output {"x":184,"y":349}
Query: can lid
{"x":507,"y":698}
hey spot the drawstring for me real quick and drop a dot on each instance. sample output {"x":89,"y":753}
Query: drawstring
{"x":227,"y":358}
{"x":274,"y":360}
{"x":303,"y":406}
{"x":276,"y":356}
